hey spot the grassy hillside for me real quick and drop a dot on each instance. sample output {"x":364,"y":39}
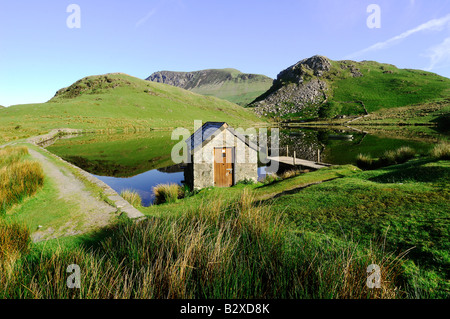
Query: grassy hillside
{"x":119,"y":102}
{"x":228,"y":84}
{"x":321,"y":88}
{"x":383,"y":86}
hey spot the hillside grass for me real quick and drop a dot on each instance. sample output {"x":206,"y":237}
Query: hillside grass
{"x":118,"y":102}
{"x":384,"y":86}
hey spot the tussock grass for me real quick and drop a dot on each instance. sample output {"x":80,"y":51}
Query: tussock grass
{"x":19,"y":177}
{"x":290,"y":173}
{"x":132,"y":197}
{"x":441,"y":151}
{"x":390,"y":157}
{"x":167,"y":193}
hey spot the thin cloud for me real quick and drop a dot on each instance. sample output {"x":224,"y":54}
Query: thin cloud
{"x":439,"y":55}
{"x":432,"y":25}
{"x":146,"y":18}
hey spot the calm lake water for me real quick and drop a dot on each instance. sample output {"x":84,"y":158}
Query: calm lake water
{"x":141,"y":161}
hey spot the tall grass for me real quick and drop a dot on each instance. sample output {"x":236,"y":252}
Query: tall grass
{"x":231,"y":248}
{"x":389,"y":157}
{"x":132,"y":197}
{"x":441,"y":151}
{"x":167,"y":193}
{"x":19,"y":177}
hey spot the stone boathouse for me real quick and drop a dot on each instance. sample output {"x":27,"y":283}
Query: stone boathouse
{"x":220,"y":156}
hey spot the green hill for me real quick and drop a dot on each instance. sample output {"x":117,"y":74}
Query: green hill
{"x":321,"y":87}
{"x":227,"y":84}
{"x":119,"y":102}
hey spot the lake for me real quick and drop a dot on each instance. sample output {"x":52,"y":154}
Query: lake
{"x":141,"y":161}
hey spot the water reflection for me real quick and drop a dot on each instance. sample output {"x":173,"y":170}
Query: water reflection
{"x":141,"y":162}
{"x":144,"y":183}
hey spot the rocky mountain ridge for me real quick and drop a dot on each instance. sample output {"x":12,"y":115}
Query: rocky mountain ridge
{"x":229,"y":84}
{"x":317,"y":85}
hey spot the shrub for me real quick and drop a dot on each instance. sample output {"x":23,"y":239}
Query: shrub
{"x":167,"y":193}
{"x":132,"y":197}
{"x":441,"y":151}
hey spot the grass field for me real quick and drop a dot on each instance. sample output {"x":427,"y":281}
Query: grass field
{"x":118,"y":102}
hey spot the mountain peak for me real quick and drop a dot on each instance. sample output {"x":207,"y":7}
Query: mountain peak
{"x":229,"y":84}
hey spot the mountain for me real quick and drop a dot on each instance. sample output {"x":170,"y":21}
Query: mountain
{"x":227,"y":84}
{"x":319,"y":87}
{"x":119,"y":102}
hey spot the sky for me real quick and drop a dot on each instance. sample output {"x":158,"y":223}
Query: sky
{"x":47,"y":45}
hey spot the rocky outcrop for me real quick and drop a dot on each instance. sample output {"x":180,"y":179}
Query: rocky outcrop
{"x":299,"y":86}
{"x":228,"y":84}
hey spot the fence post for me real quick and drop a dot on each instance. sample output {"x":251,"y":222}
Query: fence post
{"x":287,"y":151}
{"x":294,"y":158}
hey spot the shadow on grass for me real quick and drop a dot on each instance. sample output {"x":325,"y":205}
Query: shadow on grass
{"x":414,"y":172}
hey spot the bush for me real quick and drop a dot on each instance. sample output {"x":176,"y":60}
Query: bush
{"x":441,"y":151}
{"x":167,"y":193}
{"x":132,"y":197}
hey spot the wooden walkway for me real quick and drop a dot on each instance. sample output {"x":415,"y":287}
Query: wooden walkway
{"x":298,"y":162}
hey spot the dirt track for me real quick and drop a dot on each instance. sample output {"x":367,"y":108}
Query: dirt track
{"x":94,"y":212}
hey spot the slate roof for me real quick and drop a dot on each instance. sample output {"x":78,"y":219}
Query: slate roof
{"x":209,"y":129}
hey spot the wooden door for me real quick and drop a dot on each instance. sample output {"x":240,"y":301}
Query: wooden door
{"x":223,"y":167}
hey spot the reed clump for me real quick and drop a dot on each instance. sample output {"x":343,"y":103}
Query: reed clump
{"x":441,"y":151}
{"x":167,"y":193}
{"x":389,"y":157}
{"x":132,"y":197}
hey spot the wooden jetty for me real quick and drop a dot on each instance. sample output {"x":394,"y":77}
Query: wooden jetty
{"x":298,"y":162}
{"x":294,"y":161}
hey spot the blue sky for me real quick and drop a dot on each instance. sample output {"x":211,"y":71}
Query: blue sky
{"x":39,"y":54}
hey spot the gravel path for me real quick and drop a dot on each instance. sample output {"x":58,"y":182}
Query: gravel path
{"x":94,"y":212}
